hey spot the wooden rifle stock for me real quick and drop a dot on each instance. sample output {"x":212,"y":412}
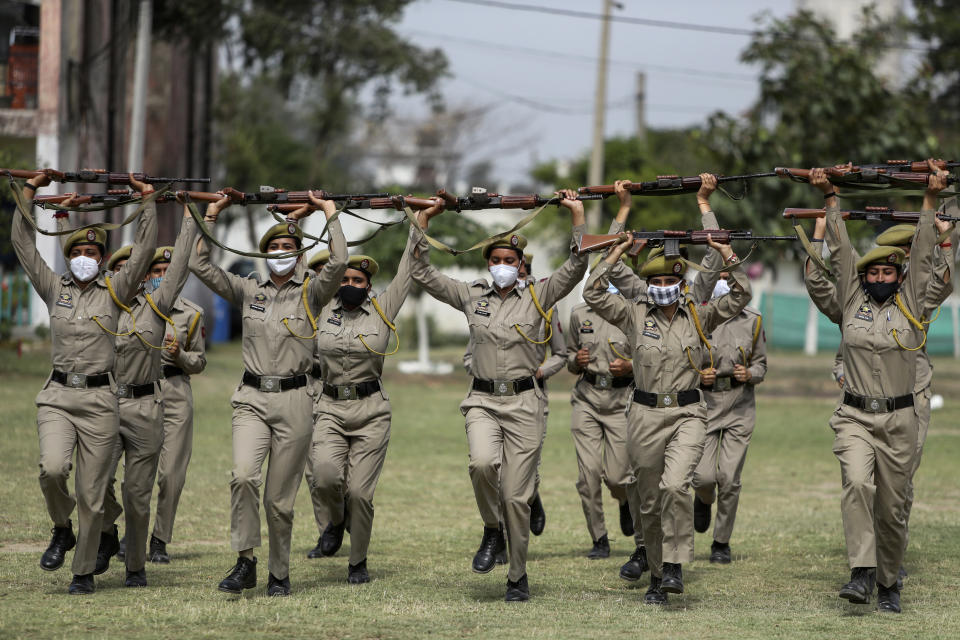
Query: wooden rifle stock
{"x":872,"y":214}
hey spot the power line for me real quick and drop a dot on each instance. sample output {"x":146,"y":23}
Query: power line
{"x":646,"y":22}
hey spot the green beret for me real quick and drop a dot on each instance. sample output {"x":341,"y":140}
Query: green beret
{"x":162,"y":254}
{"x":90,"y":235}
{"x":661,"y":266}
{"x":882,"y":255}
{"x":364,"y":263}
{"x":123,"y":253}
{"x":897,"y":236}
{"x":319,"y":259}
{"x":281,"y":230}
{"x":516,"y":241}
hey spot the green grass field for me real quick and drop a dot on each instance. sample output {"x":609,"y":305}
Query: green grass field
{"x":789,"y":556}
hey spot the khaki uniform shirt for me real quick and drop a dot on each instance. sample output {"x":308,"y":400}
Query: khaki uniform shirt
{"x":733,"y":344}
{"x":192,"y":356}
{"x":875,"y":365}
{"x":500,"y":351}
{"x":605,"y":342}
{"x":78,"y":343}
{"x":270,"y":348}
{"x":664,"y":349}
{"x":138,"y":358}
{"x":343,"y":357}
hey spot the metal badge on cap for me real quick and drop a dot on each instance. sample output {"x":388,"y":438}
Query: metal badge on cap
{"x":91,"y":235}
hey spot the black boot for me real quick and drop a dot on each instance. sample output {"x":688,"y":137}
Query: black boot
{"x":672,"y":581}
{"x":62,"y":541}
{"x":888,"y":599}
{"x":518,"y":591}
{"x":317,"y":551}
{"x":491,"y":545}
{"x":860,"y":587}
{"x":332,"y":538}
{"x":635,"y":566}
{"x":701,"y":515}
{"x":655,"y":594}
{"x":82,"y":585}
{"x":109,"y":546}
{"x":538,"y":517}
{"x":720,"y":553}
{"x":626,"y":519}
{"x":136,"y":578}
{"x":158,"y":551}
{"x":276,"y":587}
{"x":601,"y":548}
{"x":357,"y":573}
{"x":242,"y":576}
{"x":122,"y":548}
{"x":900,"y":576}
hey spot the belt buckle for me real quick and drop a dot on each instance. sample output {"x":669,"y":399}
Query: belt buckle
{"x":724,"y":383}
{"x":503,"y":388}
{"x":346,"y":392}
{"x":77,"y":380}
{"x":270,"y":384}
{"x":876,"y":405}
{"x":604,"y":382}
{"x":123,"y":391}
{"x":666,"y":400}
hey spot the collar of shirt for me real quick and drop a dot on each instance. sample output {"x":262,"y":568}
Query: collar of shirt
{"x":365,"y":307}
{"x":297,"y":279}
{"x":68,"y":279}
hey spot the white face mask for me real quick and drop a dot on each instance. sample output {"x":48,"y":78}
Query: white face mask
{"x":281,"y":266}
{"x":504,"y":275}
{"x":720,"y":289}
{"x":664,"y":296}
{"x":84,"y":269}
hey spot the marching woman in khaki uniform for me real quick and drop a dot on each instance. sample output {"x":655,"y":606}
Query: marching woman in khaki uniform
{"x":351,"y":427}
{"x":184,"y":356}
{"x":877,"y":423}
{"x":77,"y":407}
{"x":141,"y":337}
{"x":597,"y":352}
{"x":320,"y":515}
{"x":667,"y":416}
{"x":504,"y":408}
{"x":272,"y":406}
{"x":739,"y":364}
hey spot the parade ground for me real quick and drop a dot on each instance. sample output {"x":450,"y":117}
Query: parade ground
{"x":789,"y":558}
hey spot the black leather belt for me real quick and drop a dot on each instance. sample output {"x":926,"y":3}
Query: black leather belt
{"x":352,"y":391}
{"x":80,"y":380}
{"x":170,"y":371}
{"x":607,"y":382}
{"x":135,"y":390}
{"x":723,"y":383}
{"x":503,"y":387}
{"x":878,"y":405}
{"x":315,"y":372}
{"x":273,"y":384}
{"x":541,"y":382}
{"x":678,"y":399}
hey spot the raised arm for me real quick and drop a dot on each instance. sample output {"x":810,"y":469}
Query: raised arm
{"x":611,"y":307}
{"x":176,"y":276}
{"x":24,"y":241}
{"x":924,"y":242}
{"x":228,"y":286}
{"x":843,"y":259}
{"x":392,"y":299}
{"x":443,"y":288}
{"x":712,"y":262}
{"x":127,"y":282}
{"x":719,"y":310}
{"x":563,"y":280}
{"x":322,"y":288}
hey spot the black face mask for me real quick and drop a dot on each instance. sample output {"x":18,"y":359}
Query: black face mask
{"x":880,"y":291}
{"x":352,"y":296}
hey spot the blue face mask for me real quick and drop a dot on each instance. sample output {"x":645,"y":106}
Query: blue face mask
{"x":154,"y":283}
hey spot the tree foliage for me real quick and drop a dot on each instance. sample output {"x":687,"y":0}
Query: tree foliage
{"x":938,"y":25}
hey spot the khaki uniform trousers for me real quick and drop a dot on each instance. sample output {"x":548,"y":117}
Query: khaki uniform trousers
{"x":140,"y":439}
{"x":320,"y":513}
{"x":665,"y":446}
{"x":600,"y":440}
{"x":717,"y":477}
{"x":922,"y":400}
{"x":877,"y":453}
{"x":175,"y":452}
{"x":277,"y":424}
{"x":504,"y":435}
{"x":349,"y":447}
{"x":85,"y":420}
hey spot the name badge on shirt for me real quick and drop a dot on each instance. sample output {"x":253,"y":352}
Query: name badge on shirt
{"x":65,"y":300}
{"x":864,"y":313}
{"x":258,"y":302}
{"x":483,"y":308}
{"x":335,"y":319}
{"x":650,"y":329}
{"x":586,"y":326}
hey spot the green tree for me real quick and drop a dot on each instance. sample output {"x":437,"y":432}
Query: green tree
{"x":938,"y":26}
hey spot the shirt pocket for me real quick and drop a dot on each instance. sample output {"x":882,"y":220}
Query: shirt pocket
{"x":648,"y":354}
{"x":479,"y":325}
{"x":253,"y":322}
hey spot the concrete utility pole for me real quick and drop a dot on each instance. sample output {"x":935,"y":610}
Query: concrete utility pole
{"x":599,"y":113}
{"x":641,"y":101}
{"x":138,"y":114}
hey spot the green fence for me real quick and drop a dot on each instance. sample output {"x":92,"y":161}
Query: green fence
{"x":785,"y":320}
